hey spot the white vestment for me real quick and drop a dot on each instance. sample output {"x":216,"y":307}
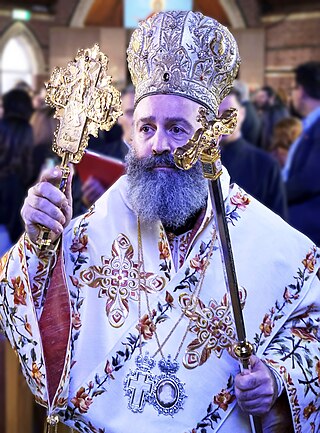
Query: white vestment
{"x":276,"y":268}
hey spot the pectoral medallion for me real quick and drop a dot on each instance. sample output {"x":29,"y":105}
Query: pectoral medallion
{"x":165,"y":392}
{"x":168,"y":391}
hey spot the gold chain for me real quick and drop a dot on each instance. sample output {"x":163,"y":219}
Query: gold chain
{"x":193,"y":300}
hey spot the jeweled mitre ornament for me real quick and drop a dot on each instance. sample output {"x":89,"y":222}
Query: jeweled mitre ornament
{"x":183,"y":53}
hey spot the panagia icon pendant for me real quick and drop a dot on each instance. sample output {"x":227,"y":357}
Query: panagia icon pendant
{"x":168,"y":391}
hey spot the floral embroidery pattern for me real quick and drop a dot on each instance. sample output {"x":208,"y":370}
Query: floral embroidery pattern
{"x":40,"y":281}
{"x":221,"y":402}
{"x":118,"y":279}
{"x":79,"y":258}
{"x":290,"y":294}
{"x":147,"y":326}
{"x":13,"y":297}
{"x":85,"y":395}
{"x":213,"y":325}
{"x":179,"y":244}
{"x":291,"y":345}
{"x":238,"y":201}
{"x":79,"y":244}
{"x":196,"y":266}
{"x":164,"y":254}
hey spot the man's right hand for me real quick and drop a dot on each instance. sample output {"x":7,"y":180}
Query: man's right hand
{"x":47,"y":206}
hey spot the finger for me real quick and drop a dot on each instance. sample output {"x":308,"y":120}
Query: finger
{"x":253,"y":394}
{"x":42,"y":204}
{"x":247,"y":381}
{"x":50,"y":192}
{"x":256,"y":363}
{"x":52,"y":175}
{"x":257,"y":407}
{"x":35,"y":217}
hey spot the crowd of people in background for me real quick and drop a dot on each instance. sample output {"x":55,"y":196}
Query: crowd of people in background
{"x":273,"y":153}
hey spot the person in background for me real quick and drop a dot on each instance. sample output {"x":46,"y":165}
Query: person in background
{"x":271,"y":109}
{"x":1,"y":108}
{"x":26,"y":87}
{"x":133,"y":295}
{"x":301,"y":171}
{"x":251,"y":125}
{"x":125,"y":121}
{"x":44,"y":126}
{"x":285,"y":132}
{"x":16,"y":145}
{"x":251,"y":168}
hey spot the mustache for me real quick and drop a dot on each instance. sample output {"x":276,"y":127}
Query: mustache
{"x":162,"y":160}
{"x":148,"y":163}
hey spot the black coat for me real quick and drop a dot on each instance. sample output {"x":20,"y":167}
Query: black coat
{"x":303,"y":185}
{"x":256,"y":172}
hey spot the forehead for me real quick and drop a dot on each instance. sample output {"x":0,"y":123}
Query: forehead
{"x":165,"y":106}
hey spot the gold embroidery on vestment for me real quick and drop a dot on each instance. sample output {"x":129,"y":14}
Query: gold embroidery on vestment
{"x":213,"y":325}
{"x":118,"y":280}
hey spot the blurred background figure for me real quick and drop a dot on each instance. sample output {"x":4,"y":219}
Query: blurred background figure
{"x":285,"y":132}
{"x":271,"y":109}
{"x":44,"y":125}
{"x":251,"y":168}
{"x":23,"y":85}
{"x":301,"y":171}
{"x":251,"y":125}
{"x":16,"y":145}
{"x":125,"y":121}
{"x":114,"y":143}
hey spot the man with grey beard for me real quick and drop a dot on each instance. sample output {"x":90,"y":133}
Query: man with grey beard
{"x":131,"y":299}
{"x":154,"y":198}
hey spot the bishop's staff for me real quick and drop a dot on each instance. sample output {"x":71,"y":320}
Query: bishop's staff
{"x":85,"y":101}
{"x":204,"y":145}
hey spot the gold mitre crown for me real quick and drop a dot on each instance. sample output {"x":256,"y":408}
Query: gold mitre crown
{"x":183,"y":53}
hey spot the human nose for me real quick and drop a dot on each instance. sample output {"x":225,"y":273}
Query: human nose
{"x":160,"y":143}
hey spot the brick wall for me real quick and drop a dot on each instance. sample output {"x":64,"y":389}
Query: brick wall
{"x":289,"y":43}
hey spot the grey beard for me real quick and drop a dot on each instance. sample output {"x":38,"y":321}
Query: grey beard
{"x":172,"y":196}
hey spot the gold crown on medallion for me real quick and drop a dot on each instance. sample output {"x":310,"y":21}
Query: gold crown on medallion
{"x":183,"y":53}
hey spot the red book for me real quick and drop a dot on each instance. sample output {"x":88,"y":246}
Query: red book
{"x":104,"y":168}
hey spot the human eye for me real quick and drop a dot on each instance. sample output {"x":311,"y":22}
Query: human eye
{"x":145,"y":129}
{"x":177,"y":130}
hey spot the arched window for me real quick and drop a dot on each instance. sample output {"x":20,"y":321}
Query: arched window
{"x":21,"y":57}
{"x":16,"y":64}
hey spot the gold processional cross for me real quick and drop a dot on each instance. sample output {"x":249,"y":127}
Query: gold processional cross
{"x":85,"y":101}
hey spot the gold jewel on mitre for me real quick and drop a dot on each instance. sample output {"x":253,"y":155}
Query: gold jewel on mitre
{"x":183,"y":53}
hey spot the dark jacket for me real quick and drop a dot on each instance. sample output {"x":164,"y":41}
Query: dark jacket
{"x":251,"y":126}
{"x":303,"y":184}
{"x":256,"y":172}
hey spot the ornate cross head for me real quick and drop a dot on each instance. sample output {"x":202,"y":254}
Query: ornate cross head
{"x":84,"y":99}
{"x":204,"y":144}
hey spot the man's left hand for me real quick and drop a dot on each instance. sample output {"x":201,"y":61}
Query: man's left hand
{"x":256,"y":389}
